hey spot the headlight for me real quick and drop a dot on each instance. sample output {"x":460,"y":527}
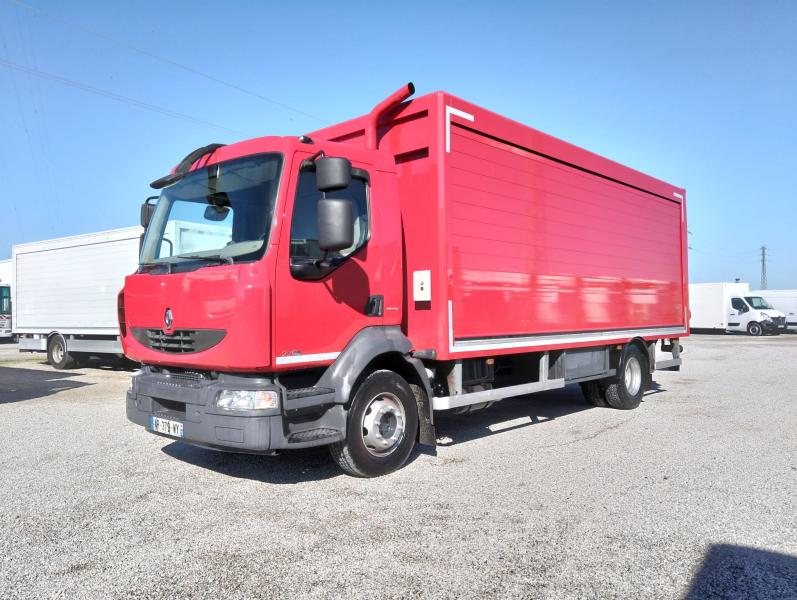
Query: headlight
{"x":765,"y":316}
{"x":247,"y":399}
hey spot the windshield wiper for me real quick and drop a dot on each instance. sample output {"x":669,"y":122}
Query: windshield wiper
{"x":168,"y":265}
{"x":208,"y":257}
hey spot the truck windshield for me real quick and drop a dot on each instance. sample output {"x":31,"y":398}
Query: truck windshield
{"x":215,"y":215}
{"x":757,"y":302}
{"x":5,"y":300}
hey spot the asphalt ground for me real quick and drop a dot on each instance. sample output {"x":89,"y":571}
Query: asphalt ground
{"x":692,"y":495}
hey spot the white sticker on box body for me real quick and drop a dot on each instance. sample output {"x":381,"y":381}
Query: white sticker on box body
{"x":422,"y":286}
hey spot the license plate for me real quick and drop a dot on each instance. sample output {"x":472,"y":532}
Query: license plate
{"x":166,"y":426}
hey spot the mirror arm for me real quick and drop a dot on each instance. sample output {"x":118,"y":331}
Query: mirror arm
{"x":324,"y":261}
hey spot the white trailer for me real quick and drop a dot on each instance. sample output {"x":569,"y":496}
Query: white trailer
{"x":732,"y":307}
{"x":5,"y":298}
{"x":783,"y":300}
{"x":65,"y":293}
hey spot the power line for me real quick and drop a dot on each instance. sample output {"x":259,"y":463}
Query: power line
{"x":163,"y":59}
{"x":113,"y":96}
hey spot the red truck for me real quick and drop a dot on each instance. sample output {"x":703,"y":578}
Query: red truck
{"x":337,"y":288}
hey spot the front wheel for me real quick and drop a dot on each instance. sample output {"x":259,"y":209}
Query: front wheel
{"x":626,"y":393}
{"x":381,"y":429}
{"x":755,"y":329}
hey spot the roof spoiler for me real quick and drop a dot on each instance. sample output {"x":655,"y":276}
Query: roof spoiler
{"x":184,"y":165}
{"x":391,"y":101}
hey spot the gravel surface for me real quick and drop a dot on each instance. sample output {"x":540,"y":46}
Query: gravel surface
{"x":694,"y":494}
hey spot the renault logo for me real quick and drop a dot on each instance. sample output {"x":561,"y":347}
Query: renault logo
{"x":168,"y":319}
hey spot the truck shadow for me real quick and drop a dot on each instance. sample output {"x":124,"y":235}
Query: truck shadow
{"x":514,"y":413}
{"x":729,"y":571}
{"x":18,"y":384}
{"x":314,"y":464}
{"x":508,"y":415}
{"x":111,"y":363}
{"x":291,"y":467}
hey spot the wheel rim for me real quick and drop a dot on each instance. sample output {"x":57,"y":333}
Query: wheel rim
{"x":58,"y":351}
{"x":755,"y":329}
{"x":633,"y":375}
{"x":383,"y":424}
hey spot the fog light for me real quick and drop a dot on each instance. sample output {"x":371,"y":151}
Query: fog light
{"x":247,"y":399}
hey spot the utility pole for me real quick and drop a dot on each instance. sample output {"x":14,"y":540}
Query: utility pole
{"x":763,"y":267}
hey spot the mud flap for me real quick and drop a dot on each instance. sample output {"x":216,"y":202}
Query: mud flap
{"x":426,"y":431}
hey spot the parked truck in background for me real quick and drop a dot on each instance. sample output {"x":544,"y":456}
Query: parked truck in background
{"x":732,"y":307}
{"x":431,"y":255}
{"x":784,"y":301}
{"x":5,"y":299}
{"x":65,"y":293}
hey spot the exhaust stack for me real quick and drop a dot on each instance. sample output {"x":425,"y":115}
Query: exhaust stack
{"x":392,"y":100}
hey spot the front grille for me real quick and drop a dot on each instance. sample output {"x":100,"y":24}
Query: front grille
{"x":180,"y":341}
{"x":190,"y":378}
{"x":181,"y":380}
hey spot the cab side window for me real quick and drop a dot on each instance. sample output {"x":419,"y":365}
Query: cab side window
{"x":738,"y":304}
{"x":304,"y":226}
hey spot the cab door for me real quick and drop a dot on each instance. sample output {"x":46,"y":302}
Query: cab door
{"x":319,"y":309}
{"x":737,"y":315}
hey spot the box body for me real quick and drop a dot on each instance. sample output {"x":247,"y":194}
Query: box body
{"x":530,"y":242}
{"x":70,"y":284}
{"x":709,"y":303}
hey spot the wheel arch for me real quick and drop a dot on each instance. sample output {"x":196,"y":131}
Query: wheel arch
{"x":648,"y":350}
{"x":375,"y":348}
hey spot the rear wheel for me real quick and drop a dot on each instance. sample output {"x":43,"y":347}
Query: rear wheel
{"x":382,"y":427}
{"x":57,"y":354}
{"x":593,"y":393}
{"x":626,"y":392}
{"x":755,"y":329}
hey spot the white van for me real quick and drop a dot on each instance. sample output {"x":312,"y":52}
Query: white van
{"x":732,"y":307}
{"x":783,"y":300}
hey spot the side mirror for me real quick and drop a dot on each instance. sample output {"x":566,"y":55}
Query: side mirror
{"x":146,"y":211}
{"x":335,"y":224}
{"x":332,"y":174}
{"x":216,"y":213}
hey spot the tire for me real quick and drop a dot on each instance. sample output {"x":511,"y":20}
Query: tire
{"x":593,"y":393}
{"x":626,"y":392}
{"x":382,"y":426}
{"x":755,"y":329}
{"x":57,"y":354}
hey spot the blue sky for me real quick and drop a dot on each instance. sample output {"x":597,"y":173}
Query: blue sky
{"x":701,"y":94}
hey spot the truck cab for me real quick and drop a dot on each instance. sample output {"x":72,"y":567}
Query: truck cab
{"x":246,"y":261}
{"x":207,"y":265}
{"x":754,"y":315}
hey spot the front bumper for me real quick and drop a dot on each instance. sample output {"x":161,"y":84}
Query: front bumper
{"x":775,"y":324}
{"x":304,"y":418}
